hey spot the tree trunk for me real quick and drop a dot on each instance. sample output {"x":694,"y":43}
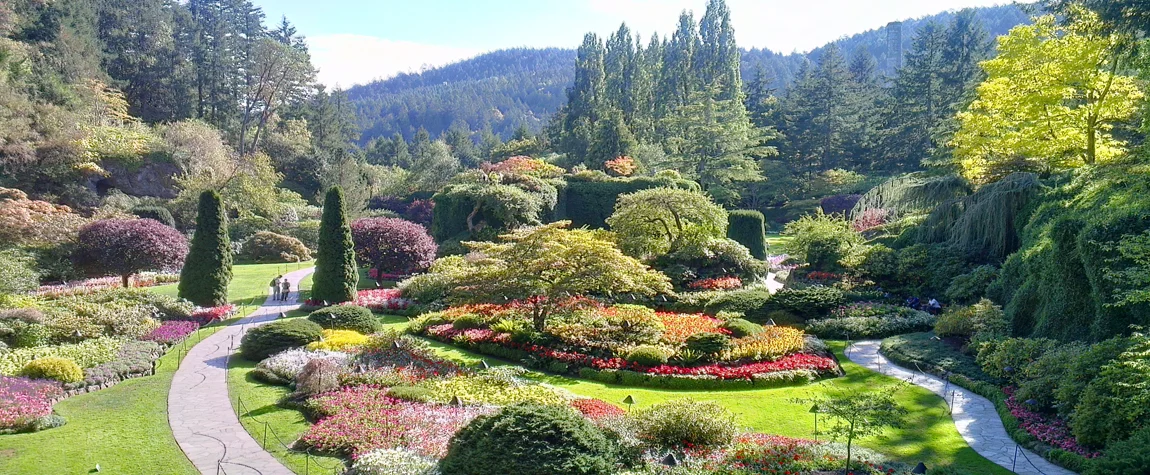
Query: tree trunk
{"x":850,"y":439}
{"x":471,"y":218}
{"x":126,"y":278}
{"x":1091,"y":140}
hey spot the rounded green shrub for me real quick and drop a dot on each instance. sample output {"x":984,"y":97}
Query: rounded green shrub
{"x":346,"y":317}
{"x":52,"y":367}
{"x":751,"y":303}
{"x":740,"y":328}
{"x":157,"y":213}
{"x":677,"y":423}
{"x":266,"y":246}
{"x":264,"y":341}
{"x":529,"y":440}
{"x":1128,"y":456}
{"x":708,"y":343}
{"x":809,"y":302}
{"x":647,"y":355}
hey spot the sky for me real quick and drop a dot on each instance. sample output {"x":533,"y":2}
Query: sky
{"x":357,"y":41}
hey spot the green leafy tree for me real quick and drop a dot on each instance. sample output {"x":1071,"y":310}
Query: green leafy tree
{"x":1051,"y":99}
{"x":336,"y":275}
{"x":655,"y":221}
{"x":17,"y":272}
{"x":546,"y":264}
{"x":856,"y":414}
{"x":208,"y":268}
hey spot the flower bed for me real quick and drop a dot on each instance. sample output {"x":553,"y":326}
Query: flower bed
{"x":587,"y":335}
{"x":206,"y":315}
{"x":1048,"y":429}
{"x":24,"y":401}
{"x":172,"y":332}
{"x":716,"y":283}
{"x":381,"y":300}
{"x":91,"y":286}
{"x":870,"y":320}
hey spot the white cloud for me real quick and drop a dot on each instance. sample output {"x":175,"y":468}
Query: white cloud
{"x":780,"y":25}
{"x":345,"y":60}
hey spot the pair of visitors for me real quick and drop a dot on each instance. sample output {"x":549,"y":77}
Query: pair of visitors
{"x":285,"y":289}
{"x":276,"y":285}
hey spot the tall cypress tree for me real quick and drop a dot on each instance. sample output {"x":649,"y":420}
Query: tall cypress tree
{"x":336,"y":275}
{"x":208,"y":268}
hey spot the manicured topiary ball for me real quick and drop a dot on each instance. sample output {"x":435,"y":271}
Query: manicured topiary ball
{"x":261,"y":342}
{"x":529,"y":440}
{"x":346,"y":317}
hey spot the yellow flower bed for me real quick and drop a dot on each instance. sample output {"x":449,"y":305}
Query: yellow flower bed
{"x":772,"y":343}
{"x":339,"y":340}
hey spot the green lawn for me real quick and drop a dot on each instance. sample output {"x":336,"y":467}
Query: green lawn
{"x":776,"y":242}
{"x":124,"y":428}
{"x":249,"y":284}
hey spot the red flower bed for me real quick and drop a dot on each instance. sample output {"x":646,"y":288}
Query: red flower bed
{"x":716,"y":283}
{"x":380,"y":300}
{"x":1048,"y":429}
{"x":206,"y":315}
{"x":788,"y":363}
{"x":595,"y":409}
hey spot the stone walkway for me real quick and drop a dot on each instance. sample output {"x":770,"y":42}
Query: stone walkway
{"x":199,"y":409}
{"x":974,"y":416}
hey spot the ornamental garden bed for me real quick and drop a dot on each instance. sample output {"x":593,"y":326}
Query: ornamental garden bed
{"x":55,"y":347}
{"x":634,"y":345}
{"x":386,"y":403}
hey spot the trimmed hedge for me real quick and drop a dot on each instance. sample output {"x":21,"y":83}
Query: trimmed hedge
{"x":589,"y":202}
{"x":346,"y":317}
{"x":264,"y":341}
{"x":529,"y":440}
{"x":748,"y":227}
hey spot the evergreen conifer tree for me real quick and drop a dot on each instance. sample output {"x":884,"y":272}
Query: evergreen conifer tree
{"x":208,"y":269}
{"x":336,"y":275}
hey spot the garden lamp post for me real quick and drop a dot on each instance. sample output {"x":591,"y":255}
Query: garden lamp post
{"x":770,"y":322}
{"x":815,"y":410}
{"x":629,"y":401}
{"x":483,"y":364}
{"x":670,"y":460}
{"x":919,"y":469}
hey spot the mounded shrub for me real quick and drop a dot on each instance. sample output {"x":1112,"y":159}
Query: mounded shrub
{"x":411,"y":393}
{"x":318,"y":376}
{"x":468,"y":322}
{"x":264,"y":341}
{"x":55,"y":368}
{"x":753,"y":304}
{"x":748,"y":227}
{"x":346,"y":317}
{"x":529,"y":440}
{"x":809,"y":302}
{"x":647,"y":355}
{"x":208,"y":271}
{"x":674,"y":424}
{"x":1128,"y":456}
{"x":824,"y":241}
{"x":266,"y":246}
{"x":708,"y":343}
{"x":740,"y":328}
{"x":984,"y":319}
{"x":969,"y":287}
{"x":393,"y":245}
{"x":158,"y":213}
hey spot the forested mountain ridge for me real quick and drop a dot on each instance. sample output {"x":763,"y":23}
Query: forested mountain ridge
{"x":504,"y":89}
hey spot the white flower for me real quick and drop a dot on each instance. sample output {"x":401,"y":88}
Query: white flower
{"x":289,"y":363}
{"x":399,"y":461}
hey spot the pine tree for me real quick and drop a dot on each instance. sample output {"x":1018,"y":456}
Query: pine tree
{"x":208,"y":269}
{"x":717,"y":61}
{"x":677,"y":78}
{"x":917,"y":106}
{"x":585,"y":100}
{"x":612,"y":139}
{"x":336,"y":276}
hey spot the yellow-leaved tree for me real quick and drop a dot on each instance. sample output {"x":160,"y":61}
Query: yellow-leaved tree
{"x":1050,"y":101}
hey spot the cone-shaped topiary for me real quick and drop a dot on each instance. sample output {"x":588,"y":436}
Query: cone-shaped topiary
{"x":336,"y":276}
{"x":208,"y":269}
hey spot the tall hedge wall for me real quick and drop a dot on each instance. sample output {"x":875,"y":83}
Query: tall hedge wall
{"x":589,"y":201}
{"x":748,"y":227}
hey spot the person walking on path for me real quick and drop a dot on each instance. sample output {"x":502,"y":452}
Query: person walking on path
{"x":286,"y":290}
{"x":275,"y":285}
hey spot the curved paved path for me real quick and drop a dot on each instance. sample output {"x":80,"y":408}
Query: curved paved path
{"x":199,"y":409}
{"x":974,"y":416}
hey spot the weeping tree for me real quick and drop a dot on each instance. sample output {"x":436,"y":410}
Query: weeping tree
{"x":208,"y":269}
{"x":336,"y":275}
{"x":655,"y":221}
{"x":987,"y":224}
{"x":911,"y":193}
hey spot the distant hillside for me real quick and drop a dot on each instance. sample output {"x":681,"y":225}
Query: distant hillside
{"x":499,"y":90}
{"x":506,"y":88}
